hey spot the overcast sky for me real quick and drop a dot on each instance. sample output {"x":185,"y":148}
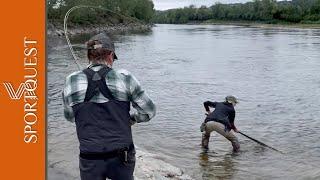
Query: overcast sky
{"x":169,"y":4}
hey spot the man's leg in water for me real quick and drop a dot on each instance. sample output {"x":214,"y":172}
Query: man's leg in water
{"x":220,"y":128}
{"x":206,"y":136}
{"x":205,"y":140}
{"x":234,"y":141}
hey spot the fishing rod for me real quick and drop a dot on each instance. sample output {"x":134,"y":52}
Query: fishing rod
{"x":65,"y":25}
{"x":261,"y":143}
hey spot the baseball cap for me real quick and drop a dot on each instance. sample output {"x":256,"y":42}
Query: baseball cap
{"x":104,"y":41}
{"x":232,"y":99}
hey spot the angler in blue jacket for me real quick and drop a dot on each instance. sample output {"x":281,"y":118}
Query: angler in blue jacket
{"x":220,"y":120}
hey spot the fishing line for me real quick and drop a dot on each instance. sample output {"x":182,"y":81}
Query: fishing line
{"x":65,"y":26}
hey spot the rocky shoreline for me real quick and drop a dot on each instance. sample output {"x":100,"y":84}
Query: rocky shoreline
{"x":56,"y":29}
{"x":148,"y":167}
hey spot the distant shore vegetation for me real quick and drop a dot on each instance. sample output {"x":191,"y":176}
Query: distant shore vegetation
{"x":264,"y":11}
{"x":142,"y":10}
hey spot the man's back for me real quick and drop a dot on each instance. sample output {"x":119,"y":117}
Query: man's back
{"x":222,"y":111}
{"x":123,"y":86}
{"x":102,"y":127}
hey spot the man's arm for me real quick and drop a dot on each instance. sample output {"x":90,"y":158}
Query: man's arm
{"x":145,"y":107}
{"x":208,"y":104}
{"x":68,"y":112}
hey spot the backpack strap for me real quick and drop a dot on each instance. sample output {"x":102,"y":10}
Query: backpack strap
{"x":97,"y":82}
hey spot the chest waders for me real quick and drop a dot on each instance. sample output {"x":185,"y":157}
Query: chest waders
{"x":104,"y":131}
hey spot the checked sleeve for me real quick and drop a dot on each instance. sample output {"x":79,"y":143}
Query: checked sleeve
{"x":140,"y":100}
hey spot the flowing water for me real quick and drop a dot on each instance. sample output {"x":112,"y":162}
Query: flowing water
{"x":274,"y":72}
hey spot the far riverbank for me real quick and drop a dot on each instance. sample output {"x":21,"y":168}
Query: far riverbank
{"x":260,"y":24}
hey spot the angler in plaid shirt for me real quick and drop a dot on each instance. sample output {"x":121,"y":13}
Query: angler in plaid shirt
{"x":98,"y":100}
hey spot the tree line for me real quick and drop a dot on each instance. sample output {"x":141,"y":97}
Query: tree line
{"x":267,"y":11}
{"x":140,"y":9}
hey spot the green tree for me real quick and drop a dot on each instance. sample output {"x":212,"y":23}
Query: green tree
{"x":141,"y":9}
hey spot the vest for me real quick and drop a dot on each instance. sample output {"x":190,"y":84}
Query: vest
{"x":102,"y":127}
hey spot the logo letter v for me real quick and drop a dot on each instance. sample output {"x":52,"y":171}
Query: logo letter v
{"x":16,"y":95}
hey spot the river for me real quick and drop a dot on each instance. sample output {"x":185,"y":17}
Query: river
{"x":273,"y":71}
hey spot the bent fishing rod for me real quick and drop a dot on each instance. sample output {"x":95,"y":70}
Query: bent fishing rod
{"x":65,"y":25}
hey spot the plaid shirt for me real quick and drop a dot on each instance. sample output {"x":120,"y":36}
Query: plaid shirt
{"x":123,"y":86}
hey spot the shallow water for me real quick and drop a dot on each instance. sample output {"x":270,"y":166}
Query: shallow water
{"x":274,"y":73}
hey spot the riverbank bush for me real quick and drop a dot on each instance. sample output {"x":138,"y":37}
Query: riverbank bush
{"x":140,"y":9}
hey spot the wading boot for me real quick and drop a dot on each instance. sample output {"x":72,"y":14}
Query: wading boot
{"x":236,"y":146}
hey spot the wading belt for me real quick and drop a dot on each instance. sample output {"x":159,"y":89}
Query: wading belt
{"x":122,"y":153}
{"x":97,"y":82}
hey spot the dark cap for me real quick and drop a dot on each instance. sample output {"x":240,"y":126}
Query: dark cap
{"x":104,"y":41}
{"x":232,"y":99}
